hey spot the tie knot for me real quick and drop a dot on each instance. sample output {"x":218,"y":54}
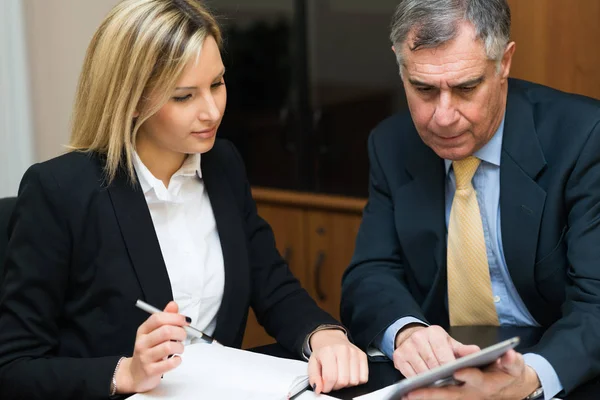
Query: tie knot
{"x":464,"y":170}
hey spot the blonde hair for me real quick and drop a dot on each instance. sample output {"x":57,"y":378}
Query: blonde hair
{"x":139,"y":51}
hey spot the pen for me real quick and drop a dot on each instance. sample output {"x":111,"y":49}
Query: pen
{"x":190,"y":330}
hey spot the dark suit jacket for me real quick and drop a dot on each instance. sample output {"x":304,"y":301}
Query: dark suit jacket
{"x":81,"y":253}
{"x":550,"y":216}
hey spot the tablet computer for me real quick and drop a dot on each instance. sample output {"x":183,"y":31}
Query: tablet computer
{"x":442,"y":375}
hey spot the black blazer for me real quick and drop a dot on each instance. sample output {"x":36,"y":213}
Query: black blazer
{"x":550,"y":216}
{"x":81,"y":253}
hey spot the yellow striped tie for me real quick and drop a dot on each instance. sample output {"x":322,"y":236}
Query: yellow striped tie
{"x":470,"y":298}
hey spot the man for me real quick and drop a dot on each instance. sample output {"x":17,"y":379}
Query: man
{"x":484,"y":209}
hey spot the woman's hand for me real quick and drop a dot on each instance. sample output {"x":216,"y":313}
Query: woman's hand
{"x":160,"y":336}
{"x":335,"y":362}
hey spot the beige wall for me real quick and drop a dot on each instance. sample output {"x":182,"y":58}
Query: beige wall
{"x":58,"y":32}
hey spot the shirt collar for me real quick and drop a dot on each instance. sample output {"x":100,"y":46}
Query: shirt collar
{"x":190,"y":167}
{"x":490,"y":152}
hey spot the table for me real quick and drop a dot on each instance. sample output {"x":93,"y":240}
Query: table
{"x":383,"y":374}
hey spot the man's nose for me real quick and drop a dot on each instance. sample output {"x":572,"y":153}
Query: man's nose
{"x":445,"y":112}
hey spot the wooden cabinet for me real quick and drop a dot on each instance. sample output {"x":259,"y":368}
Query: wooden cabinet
{"x":316,"y":235}
{"x":330,"y":244}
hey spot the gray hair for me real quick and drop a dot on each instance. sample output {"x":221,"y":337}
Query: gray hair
{"x":436,"y":21}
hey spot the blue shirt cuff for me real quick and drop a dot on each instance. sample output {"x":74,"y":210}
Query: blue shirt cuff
{"x":548,"y":377}
{"x":386,"y":341}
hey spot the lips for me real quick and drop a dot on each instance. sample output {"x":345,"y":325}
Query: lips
{"x":449,"y":137}
{"x":205,"y":133}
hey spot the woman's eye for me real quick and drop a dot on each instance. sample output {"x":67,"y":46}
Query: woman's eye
{"x":217,"y":84}
{"x":182,"y":98}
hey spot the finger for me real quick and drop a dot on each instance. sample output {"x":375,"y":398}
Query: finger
{"x":439,"y":352}
{"x":314,"y":375}
{"x":461,"y":350}
{"x":162,"y":334}
{"x":401,"y":356}
{"x":163,"y":366}
{"x":470,"y":376}
{"x":157,"y":320}
{"x":354,"y":367}
{"x":161,"y":351}
{"x":343,"y":361}
{"x":413,"y":357}
{"x":364,"y":368}
{"x":425,"y":353}
{"x":441,"y":349}
{"x":406,"y":369}
{"x":329,"y":369}
{"x":172,"y":307}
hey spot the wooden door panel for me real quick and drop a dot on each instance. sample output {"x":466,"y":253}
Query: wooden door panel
{"x":331,"y":240}
{"x":287,"y":224}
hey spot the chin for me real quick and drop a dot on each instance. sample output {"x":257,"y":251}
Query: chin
{"x":204,"y":147}
{"x":453,"y":153}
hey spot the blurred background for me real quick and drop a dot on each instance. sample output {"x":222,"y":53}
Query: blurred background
{"x":307,"y":81}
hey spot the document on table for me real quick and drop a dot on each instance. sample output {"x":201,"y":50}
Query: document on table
{"x":212,"y":371}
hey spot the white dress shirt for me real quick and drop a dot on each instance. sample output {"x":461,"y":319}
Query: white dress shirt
{"x":187,"y":233}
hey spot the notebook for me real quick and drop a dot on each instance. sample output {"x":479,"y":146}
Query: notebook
{"x":212,"y":371}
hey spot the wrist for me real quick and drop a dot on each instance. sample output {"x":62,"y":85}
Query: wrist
{"x":532,"y":383}
{"x":405,"y":333}
{"x":324,"y":337}
{"x":123,"y":380}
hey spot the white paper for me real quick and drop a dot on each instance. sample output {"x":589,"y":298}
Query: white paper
{"x":219,"y":372}
{"x":381,"y":394}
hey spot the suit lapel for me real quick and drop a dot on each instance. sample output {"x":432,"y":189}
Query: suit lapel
{"x":420,"y":214}
{"x":235,"y":255}
{"x":521,"y":199}
{"x":141,"y":241}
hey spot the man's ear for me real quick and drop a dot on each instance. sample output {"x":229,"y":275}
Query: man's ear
{"x":507,"y":60}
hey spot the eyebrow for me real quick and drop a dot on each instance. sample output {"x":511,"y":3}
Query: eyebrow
{"x":470,"y":82}
{"x":219,"y":76}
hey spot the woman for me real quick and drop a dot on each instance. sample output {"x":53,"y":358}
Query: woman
{"x":148,"y":205}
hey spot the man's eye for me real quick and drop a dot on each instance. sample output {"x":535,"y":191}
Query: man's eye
{"x":182,"y":98}
{"x":425,"y":89}
{"x":467,"y":89}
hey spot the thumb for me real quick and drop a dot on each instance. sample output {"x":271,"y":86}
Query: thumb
{"x":314,"y":375}
{"x":512,"y":363}
{"x":172,"y":307}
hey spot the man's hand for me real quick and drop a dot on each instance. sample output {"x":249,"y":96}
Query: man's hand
{"x":420,"y":348}
{"x":335,"y":362}
{"x":507,"y":379}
